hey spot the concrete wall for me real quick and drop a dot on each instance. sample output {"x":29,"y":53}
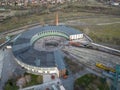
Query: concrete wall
{"x":38,"y":70}
{"x":76,"y":36}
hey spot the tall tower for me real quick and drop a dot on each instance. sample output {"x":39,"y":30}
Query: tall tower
{"x":56,"y":20}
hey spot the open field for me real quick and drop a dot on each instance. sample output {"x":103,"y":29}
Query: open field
{"x":90,"y":82}
{"x":33,"y":80}
{"x":101,"y":19}
{"x":2,"y":40}
{"x":16,"y":22}
{"x":102,"y":29}
{"x":100,"y":22}
{"x":103,"y":33}
{"x":68,"y":10}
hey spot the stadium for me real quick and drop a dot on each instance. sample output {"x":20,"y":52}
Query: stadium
{"x":39,"y":49}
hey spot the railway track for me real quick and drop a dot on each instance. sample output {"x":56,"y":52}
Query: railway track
{"x":47,"y":21}
{"x":18,"y":30}
{"x":87,"y":65}
{"x":90,"y":57}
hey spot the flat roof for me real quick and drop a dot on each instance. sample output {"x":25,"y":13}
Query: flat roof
{"x":38,"y":58}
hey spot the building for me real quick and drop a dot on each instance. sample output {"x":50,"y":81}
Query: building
{"x":38,"y":50}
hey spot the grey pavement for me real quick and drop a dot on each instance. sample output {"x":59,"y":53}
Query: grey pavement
{"x":43,"y":86}
{"x":1,"y":61}
{"x":47,"y":78}
{"x":69,"y":82}
{"x":9,"y":66}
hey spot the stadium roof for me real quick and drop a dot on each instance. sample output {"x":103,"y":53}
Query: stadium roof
{"x":68,"y":30}
{"x":24,"y":52}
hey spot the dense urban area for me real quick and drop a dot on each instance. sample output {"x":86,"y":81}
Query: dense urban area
{"x":59,"y":44}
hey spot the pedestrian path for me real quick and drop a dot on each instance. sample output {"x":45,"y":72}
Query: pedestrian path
{"x":1,"y":61}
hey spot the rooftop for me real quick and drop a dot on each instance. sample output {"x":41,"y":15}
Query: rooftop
{"x":24,"y":51}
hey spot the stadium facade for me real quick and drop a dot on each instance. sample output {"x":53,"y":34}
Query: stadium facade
{"x":38,"y":49}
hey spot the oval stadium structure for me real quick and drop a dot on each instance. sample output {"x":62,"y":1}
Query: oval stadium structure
{"x":39,"y":49}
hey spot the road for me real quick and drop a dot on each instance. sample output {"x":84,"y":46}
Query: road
{"x":1,"y":61}
{"x":69,"y":82}
{"x":9,"y":67}
{"x":43,"y":86}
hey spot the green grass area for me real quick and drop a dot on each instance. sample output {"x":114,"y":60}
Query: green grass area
{"x":16,"y":22}
{"x":100,"y":19}
{"x":90,"y":82}
{"x":67,"y":10}
{"x":35,"y":79}
{"x":2,"y":40}
{"x":11,"y":85}
{"x":107,"y":32}
{"x":103,"y":33}
{"x":81,"y":12}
